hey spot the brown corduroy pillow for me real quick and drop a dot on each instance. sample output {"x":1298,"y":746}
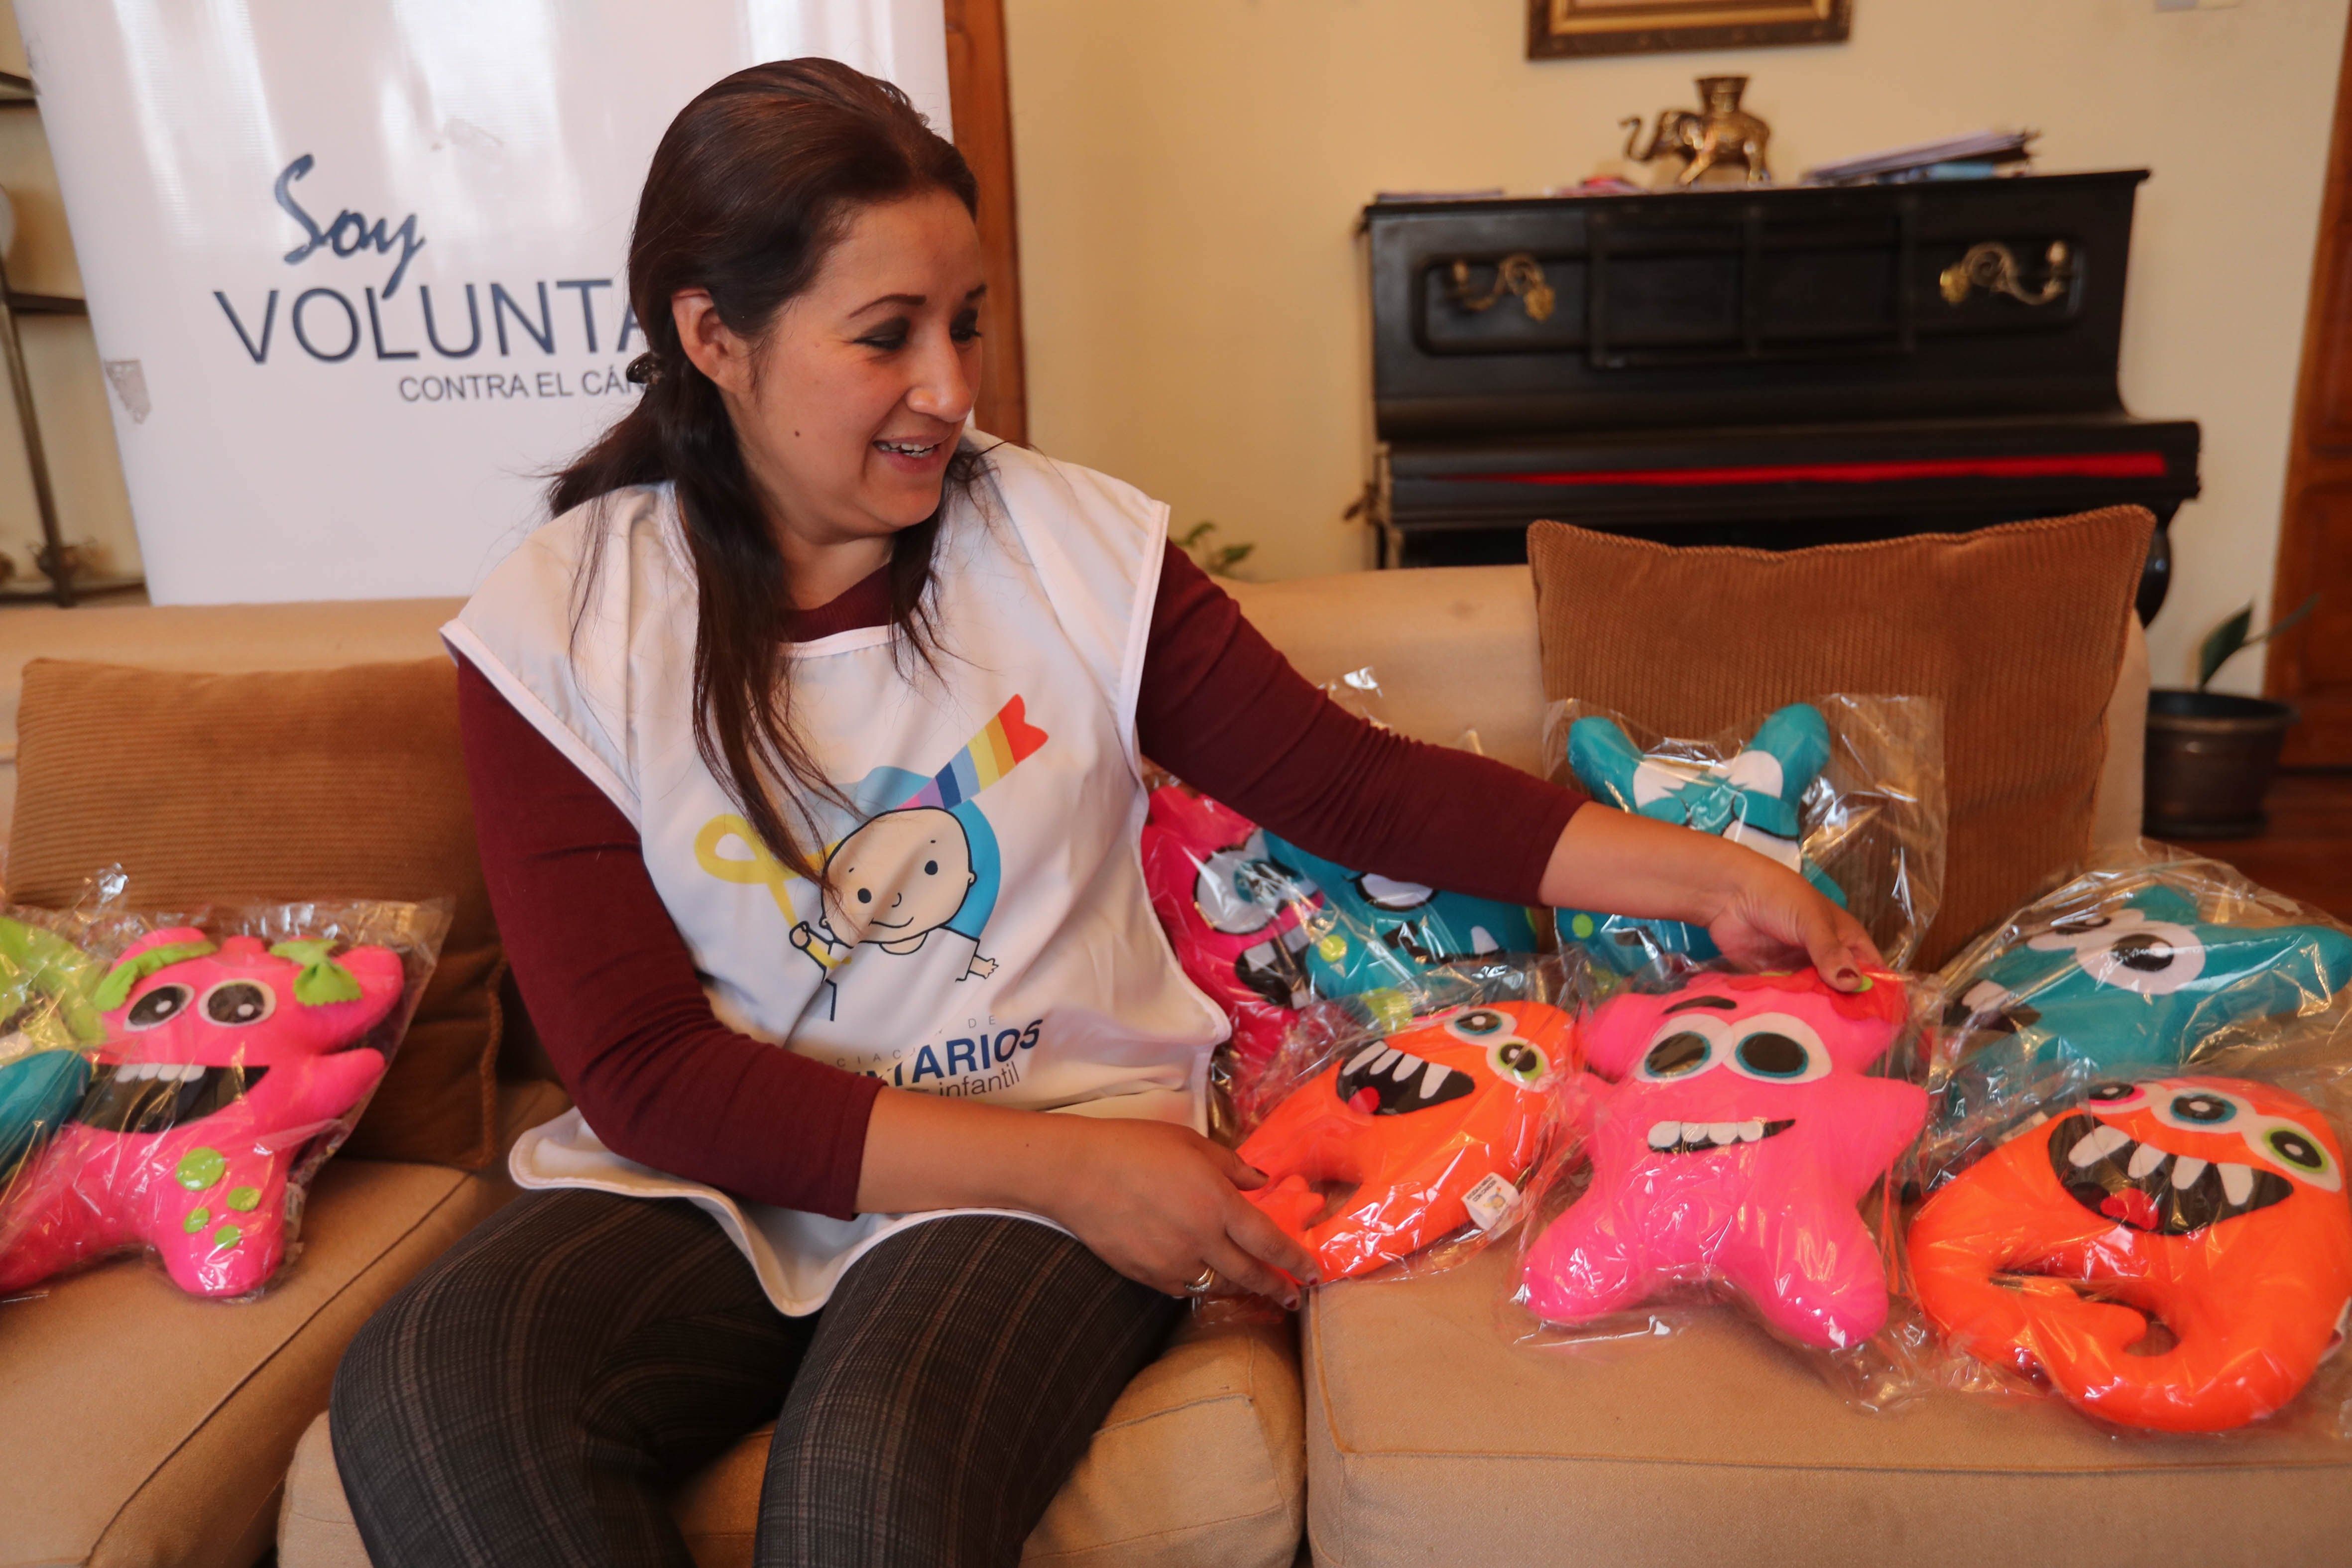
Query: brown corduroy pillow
{"x":2017,"y":630}
{"x":326,"y":784}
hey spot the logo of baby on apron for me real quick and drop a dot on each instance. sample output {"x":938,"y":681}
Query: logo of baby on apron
{"x":911,"y":878}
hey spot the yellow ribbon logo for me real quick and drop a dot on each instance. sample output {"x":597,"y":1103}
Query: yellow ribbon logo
{"x":757,"y":865}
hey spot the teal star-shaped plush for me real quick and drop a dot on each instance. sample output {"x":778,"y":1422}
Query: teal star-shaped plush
{"x":1755,"y":799}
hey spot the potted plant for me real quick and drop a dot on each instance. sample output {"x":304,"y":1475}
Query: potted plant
{"x":2210,"y":754}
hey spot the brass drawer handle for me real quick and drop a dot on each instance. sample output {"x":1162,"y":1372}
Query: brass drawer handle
{"x":1991,"y":267}
{"x":1516,"y":274}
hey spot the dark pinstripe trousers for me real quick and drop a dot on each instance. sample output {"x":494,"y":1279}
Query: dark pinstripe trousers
{"x":534,"y":1398}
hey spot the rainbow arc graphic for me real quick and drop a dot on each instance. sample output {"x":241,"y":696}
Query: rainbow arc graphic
{"x":1004,"y":744}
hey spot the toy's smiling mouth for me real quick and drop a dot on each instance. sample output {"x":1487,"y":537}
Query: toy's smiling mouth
{"x":150,"y":1097}
{"x":1382,"y":1080}
{"x":2116,"y":1177}
{"x":1706,"y":1137}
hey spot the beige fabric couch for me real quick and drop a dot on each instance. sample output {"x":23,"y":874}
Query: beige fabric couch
{"x":175,"y":1422}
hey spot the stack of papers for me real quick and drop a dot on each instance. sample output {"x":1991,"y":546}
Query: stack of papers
{"x":1979,"y":147}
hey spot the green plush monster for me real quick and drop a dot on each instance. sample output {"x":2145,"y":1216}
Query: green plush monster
{"x":46,"y":1017}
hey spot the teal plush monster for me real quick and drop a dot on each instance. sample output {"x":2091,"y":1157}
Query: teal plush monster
{"x":1379,"y":932}
{"x":1755,"y":799}
{"x":2132,"y":986}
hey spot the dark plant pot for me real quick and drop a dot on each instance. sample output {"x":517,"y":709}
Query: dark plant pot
{"x":2210,"y":756}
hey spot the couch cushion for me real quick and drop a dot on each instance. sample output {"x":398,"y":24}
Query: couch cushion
{"x":1454,"y":648}
{"x":167,"y":1422}
{"x":1433,"y":1438}
{"x":2018,"y":630}
{"x":316,"y":784}
{"x":226,"y":637}
{"x":1199,"y":1463}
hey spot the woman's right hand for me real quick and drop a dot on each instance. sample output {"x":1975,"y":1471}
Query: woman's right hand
{"x":1158,"y":1203}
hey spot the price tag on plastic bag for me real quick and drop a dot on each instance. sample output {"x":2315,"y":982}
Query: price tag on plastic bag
{"x":1491,"y":1202}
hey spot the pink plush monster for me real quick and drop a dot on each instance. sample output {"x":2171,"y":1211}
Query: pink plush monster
{"x":1232,"y":913}
{"x":1733,"y":1145}
{"x":220,"y":1064}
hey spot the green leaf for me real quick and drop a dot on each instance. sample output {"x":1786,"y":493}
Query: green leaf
{"x":115,"y":989}
{"x":323,"y":980}
{"x":2221,"y":644}
{"x":2294,"y":618}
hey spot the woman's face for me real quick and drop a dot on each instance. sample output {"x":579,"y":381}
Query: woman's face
{"x":849,"y":408}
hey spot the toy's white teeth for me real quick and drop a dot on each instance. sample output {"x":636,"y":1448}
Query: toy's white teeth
{"x":165,"y":1072}
{"x":2238,"y":1183}
{"x":1691,"y":1137}
{"x":2097,"y":1145}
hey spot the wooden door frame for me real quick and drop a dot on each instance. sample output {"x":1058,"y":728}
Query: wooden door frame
{"x":2317,"y":451}
{"x":980,"y":99}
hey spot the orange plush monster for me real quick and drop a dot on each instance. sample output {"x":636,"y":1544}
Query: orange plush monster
{"x":2212,"y":1205}
{"x":1430,"y":1125}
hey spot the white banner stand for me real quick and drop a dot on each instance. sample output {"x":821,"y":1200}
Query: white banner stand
{"x":355,"y":270}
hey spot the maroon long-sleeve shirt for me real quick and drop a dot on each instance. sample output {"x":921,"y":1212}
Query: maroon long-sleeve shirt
{"x":614,"y":991}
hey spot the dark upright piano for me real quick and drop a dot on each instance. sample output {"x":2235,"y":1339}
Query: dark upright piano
{"x":1771,"y":366}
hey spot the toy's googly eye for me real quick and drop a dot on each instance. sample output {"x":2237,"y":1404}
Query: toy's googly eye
{"x":1776,"y":1048}
{"x":2127,"y":951}
{"x":158,"y":1007}
{"x":1479,"y":1024}
{"x":1517,"y":1061}
{"x":1684,"y":1046}
{"x":1388,"y":893}
{"x":2294,"y":1148}
{"x":2200,"y":1110}
{"x":2115,"y":1096}
{"x":2156,"y":960}
{"x":1240,"y":894}
{"x":237,"y":1003}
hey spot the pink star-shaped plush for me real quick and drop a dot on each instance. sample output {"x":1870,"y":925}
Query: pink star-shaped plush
{"x":1733,"y":1145}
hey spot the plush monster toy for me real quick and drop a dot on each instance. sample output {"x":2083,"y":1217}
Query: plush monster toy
{"x":2213,"y":1206}
{"x":1233,"y":915}
{"x":219,"y":1066}
{"x":1754,"y":799}
{"x":46,"y":1022}
{"x":1430,"y":1126}
{"x":1387,"y":932}
{"x":1738,"y":1135}
{"x":2136,"y":982}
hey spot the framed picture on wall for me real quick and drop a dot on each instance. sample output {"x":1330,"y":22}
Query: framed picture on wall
{"x":1656,"y":27}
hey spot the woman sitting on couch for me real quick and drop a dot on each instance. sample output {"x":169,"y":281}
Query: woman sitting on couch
{"x":813,"y":722}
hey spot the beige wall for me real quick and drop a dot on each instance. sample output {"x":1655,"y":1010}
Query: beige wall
{"x":68,"y":392}
{"x":1190,"y":176}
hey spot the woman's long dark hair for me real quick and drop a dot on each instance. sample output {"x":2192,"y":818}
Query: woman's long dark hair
{"x":752,"y":185}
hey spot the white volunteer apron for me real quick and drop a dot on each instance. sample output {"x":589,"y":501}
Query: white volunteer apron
{"x":989,"y":936}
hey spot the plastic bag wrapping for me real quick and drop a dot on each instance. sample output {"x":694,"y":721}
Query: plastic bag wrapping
{"x":2166,"y":1250}
{"x":49,"y":1031}
{"x":2151,"y":958}
{"x":1238,"y":920}
{"x":1847,"y":790}
{"x":1401,"y":1144}
{"x":2129,"y":1193}
{"x":236,"y":1049}
{"x":1734,"y":1135}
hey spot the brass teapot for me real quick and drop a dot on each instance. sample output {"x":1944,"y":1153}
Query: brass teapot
{"x":1712,"y":141}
